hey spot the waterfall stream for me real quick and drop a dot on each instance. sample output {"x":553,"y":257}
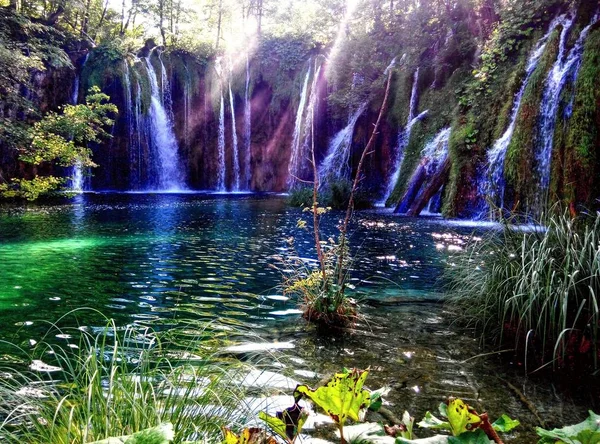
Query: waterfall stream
{"x":404,"y":136}
{"x":297,"y":155}
{"x":335,"y":165}
{"x":433,"y":157}
{"x":247,"y":128}
{"x":234,"y":144}
{"x":565,"y":67}
{"x":164,"y":144}
{"x":491,"y":183}
{"x":79,"y":180}
{"x":221,"y":147}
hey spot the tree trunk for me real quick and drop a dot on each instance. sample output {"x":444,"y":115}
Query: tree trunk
{"x":437,"y":181}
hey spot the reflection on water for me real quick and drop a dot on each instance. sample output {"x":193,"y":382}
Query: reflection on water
{"x":159,"y":259}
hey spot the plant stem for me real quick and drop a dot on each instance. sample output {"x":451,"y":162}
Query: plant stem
{"x":366,"y":151}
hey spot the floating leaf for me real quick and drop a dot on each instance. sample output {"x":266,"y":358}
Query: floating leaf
{"x":287,"y":424}
{"x":586,"y":432}
{"x":342,"y":397}
{"x":505,"y":424}
{"x":162,"y":434}
{"x":460,"y":417}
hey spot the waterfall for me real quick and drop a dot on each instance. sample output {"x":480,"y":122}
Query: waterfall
{"x":221,"y":146}
{"x":236,"y":161}
{"x":414,"y":97}
{"x":308,"y":122}
{"x":433,"y":157}
{"x":130,"y":122}
{"x":565,"y":67}
{"x":247,"y":128}
{"x":404,"y":136}
{"x":187,"y":99}
{"x":164,"y":143}
{"x":403,"y":139}
{"x":491,"y":183}
{"x":78,"y":180}
{"x":165,"y":89}
{"x":335,"y":163}
{"x":296,"y":159}
{"x":140,"y":129}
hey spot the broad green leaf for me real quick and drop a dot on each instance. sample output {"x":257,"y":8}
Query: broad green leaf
{"x":459,"y":417}
{"x":287,"y":424}
{"x":376,"y":400}
{"x":476,"y":437}
{"x":342,"y":397}
{"x":505,"y":424}
{"x":586,"y":432}
{"x":162,"y":434}
{"x":431,"y":422}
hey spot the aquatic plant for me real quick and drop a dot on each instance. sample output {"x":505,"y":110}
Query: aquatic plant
{"x":536,"y":290}
{"x":587,"y":431}
{"x":324,"y":301}
{"x":115,"y":382}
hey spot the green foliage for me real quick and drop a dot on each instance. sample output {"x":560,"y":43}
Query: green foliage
{"x":586,"y":432}
{"x":161,"y":434}
{"x":342,"y":397}
{"x":25,"y":47}
{"x":30,"y":189}
{"x":286,"y":424}
{"x":582,"y":135}
{"x":121,"y":382}
{"x":537,"y":290}
{"x":519,"y":162}
{"x":63,"y":138}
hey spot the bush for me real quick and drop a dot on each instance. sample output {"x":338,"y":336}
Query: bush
{"x":335,"y":195}
{"x":537,"y":290}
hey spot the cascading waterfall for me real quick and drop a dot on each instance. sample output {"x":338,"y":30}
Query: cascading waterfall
{"x":164,"y":143}
{"x":236,"y":161}
{"x":404,"y":136}
{"x":141,"y":130}
{"x":297,"y":152}
{"x":78,"y":178}
{"x":433,"y":157}
{"x":165,"y":89}
{"x":187,"y":94}
{"x":335,"y":163}
{"x":247,"y":128}
{"x":221,"y":147}
{"x":491,"y":183}
{"x":566,"y":67}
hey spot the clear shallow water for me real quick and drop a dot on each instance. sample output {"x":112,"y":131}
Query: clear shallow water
{"x":160,"y":259}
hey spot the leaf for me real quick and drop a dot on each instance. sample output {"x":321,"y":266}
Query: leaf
{"x":460,"y":418}
{"x":342,"y":397}
{"x":252,"y":435}
{"x":431,"y":422}
{"x":287,"y":424}
{"x":162,"y":434}
{"x":376,"y":400}
{"x":476,"y":437}
{"x":505,"y":424}
{"x":586,"y":432}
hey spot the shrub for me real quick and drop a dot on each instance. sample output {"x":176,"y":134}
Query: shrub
{"x":537,"y":290}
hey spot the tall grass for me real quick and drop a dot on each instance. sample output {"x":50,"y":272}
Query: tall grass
{"x":538,"y":290}
{"x":116,"y":382}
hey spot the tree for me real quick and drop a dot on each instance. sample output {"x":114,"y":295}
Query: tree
{"x":61,"y":139}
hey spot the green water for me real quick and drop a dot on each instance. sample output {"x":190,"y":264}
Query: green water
{"x":158,"y":260}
